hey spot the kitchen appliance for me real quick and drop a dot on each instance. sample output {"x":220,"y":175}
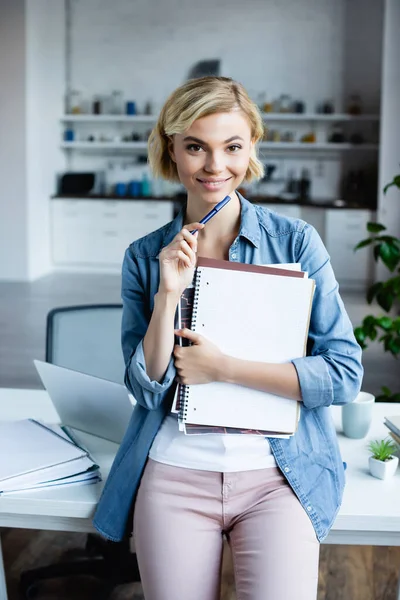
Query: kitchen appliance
{"x":81,"y":183}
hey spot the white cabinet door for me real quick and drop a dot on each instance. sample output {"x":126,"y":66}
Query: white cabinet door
{"x":344,"y":229}
{"x":97,"y":232}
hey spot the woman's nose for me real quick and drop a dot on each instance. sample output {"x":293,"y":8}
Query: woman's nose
{"x":214,"y":163}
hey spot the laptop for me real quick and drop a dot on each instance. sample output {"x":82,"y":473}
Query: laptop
{"x":86,"y":403}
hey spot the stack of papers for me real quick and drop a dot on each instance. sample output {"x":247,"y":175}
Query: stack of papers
{"x":35,"y":455}
{"x":393,"y":424}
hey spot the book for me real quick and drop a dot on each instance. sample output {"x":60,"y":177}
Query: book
{"x":393,"y":423}
{"x":395,"y":438}
{"x":255,"y":313}
{"x":40,"y":455}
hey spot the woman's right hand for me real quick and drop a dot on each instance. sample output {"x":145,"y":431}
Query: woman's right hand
{"x":178,"y":261}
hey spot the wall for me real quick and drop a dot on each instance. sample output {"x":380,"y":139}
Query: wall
{"x":45,"y":83}
{"x":13,"y":213}
{"x":310,"y":49}
{"x":389,"y":204}
{"x":32,"y":76}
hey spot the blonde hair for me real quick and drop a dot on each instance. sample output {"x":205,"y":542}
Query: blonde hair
{"x":195,"y":99}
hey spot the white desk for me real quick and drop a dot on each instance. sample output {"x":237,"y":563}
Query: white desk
{"x":370,"y":513}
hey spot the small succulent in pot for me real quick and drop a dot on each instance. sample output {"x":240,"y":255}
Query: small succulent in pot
{"x":383,"y":462}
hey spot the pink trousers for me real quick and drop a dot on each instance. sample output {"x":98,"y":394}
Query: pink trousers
{"x":181,"y":516}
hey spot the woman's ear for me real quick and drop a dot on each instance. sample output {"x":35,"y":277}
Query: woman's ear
{"x":170,"y":146}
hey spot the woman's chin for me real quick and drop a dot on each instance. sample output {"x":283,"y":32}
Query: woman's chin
{"x":209,"y":195}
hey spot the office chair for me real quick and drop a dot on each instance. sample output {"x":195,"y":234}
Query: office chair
{"x":87,"y":338}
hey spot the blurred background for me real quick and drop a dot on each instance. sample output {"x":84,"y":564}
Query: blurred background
{"x":81,"y":85}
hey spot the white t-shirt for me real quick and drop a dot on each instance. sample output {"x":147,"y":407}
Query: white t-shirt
{"x":210,"y":452}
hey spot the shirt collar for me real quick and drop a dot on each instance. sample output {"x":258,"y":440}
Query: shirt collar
{"x":249,"y":223}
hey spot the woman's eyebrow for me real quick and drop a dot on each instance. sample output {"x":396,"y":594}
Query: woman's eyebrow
{"x":198,"y":141}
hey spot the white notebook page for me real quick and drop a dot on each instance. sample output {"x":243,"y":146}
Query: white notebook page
{"x":256,"y":317}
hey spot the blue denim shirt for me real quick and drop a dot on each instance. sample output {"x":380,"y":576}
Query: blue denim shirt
{"x":331,"y":373}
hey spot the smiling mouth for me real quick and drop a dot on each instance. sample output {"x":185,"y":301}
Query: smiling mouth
{"x":213,"y":181}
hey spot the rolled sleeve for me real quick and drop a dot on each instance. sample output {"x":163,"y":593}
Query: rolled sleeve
{"x":332,"y":373}
{"x":139,"y":372}
{"x":315,"y":381}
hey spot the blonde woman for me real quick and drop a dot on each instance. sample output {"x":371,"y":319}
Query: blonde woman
{"x":273,"y":499}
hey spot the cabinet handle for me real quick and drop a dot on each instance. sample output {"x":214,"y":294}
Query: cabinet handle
{"x":110,"y":215}
{"x":110,"y":233}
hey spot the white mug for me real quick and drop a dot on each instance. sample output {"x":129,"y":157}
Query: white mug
{"x":357,"y":416}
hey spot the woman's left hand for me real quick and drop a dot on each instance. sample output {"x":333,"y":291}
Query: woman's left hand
{"x":199,"y":363}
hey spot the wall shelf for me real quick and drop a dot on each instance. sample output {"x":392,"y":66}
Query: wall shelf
{"x":336,"y":117}
{"x":262,"y":146}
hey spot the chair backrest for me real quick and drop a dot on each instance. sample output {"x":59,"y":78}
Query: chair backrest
{"x":87,"y":338}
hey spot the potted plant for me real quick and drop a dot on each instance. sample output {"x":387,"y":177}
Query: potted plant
{"x":386,"y":293}
{"x":383,"y":463}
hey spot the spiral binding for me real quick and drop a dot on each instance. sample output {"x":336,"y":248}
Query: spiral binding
{"x":184,"y":389}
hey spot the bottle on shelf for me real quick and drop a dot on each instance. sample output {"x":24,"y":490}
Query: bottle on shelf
{"x":305,"y":185}
{"x":117,"y":107}
{"x":355,"y":105}
{"x":146,"y":186}
{"x":74,"y":102}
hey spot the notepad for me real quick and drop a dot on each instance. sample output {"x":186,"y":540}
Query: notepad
{"x":27,"y":447}
{"x":253,"y":313}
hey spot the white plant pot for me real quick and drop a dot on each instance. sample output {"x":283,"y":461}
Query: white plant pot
{"x":381,"y":469}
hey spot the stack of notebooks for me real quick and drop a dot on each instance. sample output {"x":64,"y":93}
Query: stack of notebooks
{"x":393,"y":424}
{"x":37,"y":456}
{"x":251,"y":312}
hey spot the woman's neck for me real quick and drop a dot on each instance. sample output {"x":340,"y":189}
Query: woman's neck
{"x":222,"y":227}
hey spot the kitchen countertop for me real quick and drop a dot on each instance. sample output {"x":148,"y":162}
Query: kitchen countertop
{"x":314,"y":203}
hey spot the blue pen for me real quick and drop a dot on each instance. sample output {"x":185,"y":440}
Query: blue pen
{"x":213,"y":212}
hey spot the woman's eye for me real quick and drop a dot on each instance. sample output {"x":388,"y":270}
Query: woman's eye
{"x":234,"y":148}
{"x":193,"y":147}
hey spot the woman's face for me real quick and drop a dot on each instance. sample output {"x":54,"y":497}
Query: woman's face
{"x":212,"y":156}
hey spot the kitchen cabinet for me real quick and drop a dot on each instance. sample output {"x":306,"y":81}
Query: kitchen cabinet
{"x":94,"y":234}
{"x":97,"y":232}
{"x":343,"y":230}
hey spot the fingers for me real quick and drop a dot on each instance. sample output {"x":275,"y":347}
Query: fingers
{"x":192,"y":226}
{"x":183,"y":246}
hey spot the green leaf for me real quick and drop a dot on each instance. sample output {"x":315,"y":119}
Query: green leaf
{"x":386,"y":255}
{"x":375,"y":227}
{"x":359,"y":334}
{"x":373,"y":333}
{"x":373,"y":290}
{"x":385,"y":300}
{"x":394,"y":346}
{"x":385,"y":322}
{"x":395,"y":181}
{"x":369,"y":321}
{"x":389,"y":238}
{"x":377,"y":250}
{"x":386,"y":390}
{"x":364,"y":243}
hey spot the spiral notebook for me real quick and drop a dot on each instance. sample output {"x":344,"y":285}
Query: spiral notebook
{"x":254,"y":313}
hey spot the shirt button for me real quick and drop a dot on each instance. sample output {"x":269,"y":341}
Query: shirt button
{"x":309,"y":508}
{"x":287,"y":469}
{"x":234,"y":255}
